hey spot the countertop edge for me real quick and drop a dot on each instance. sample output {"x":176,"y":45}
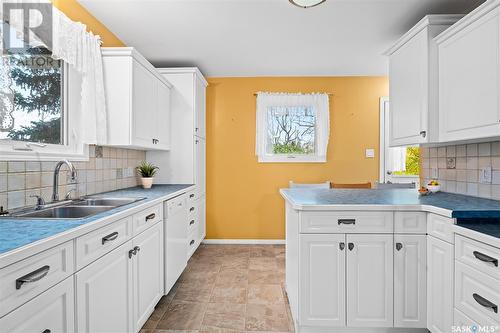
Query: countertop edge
{"x":25,"y":251}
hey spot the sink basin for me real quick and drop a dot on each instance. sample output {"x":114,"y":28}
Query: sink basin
{"x":67,"y":212}
{"x":115,"y":202}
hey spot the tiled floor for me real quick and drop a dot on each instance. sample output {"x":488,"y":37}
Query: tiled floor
{"x":226,"y":289}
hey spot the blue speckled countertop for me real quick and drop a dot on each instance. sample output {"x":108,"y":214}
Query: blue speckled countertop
{"x":459,"y":206}
{"x":15,"y":233}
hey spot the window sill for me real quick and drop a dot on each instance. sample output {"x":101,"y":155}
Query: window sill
{"x":48,"y":153}
{"x":291,"y":159}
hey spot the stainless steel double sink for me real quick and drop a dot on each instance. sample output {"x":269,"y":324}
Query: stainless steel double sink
{"x":75,"y":209}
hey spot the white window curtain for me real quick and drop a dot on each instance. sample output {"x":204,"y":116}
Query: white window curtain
{"x":320,"y":103}
{"x":82,"y":50}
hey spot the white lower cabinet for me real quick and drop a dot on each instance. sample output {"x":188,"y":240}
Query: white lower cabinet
{"x":369,"y":280}
{"x":104,"y":294}
{"x":410,"y":280}
{"x":322,"y":280}
{"x":50,"y":312}
{"x":439,"y":285}
{"x":118,"y":292}
{"x":148,"y":273}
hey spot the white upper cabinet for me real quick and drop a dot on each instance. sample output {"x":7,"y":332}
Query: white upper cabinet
{"x":137,"y":99}
{"x":413,"y":76}
{"x":469,"y":73}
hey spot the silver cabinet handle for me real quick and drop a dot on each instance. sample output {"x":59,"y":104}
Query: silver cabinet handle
{"x":131,"y":253}
{"x":484,"y":302}
{"x":47,"y":331}
{"x":346,"y":221}
{"x":341,"y":246}
{"x":191,"y":242}
{"x":399,"y":246}
{"x":191,"y":209}
{"x":350,"y":246}
{"x":485,"y":258}
{"x":191,"y":195}
{"x":33,"y":276}
{"x":110,"y":237}
{"x":136,"y":249}
{"x":192,"y":222}
{"x":150,"y":216}
{"x":423,"y":134}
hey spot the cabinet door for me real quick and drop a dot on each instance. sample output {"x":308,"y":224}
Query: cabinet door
{"x":200,"y":108}
{"x":200,"y":168}
{"x":439,"y":285}
{"x":202,"y":219}
{"x":408,"y":91}
{"x":322,"y":280}
{"x":370,"y":280}
{"x":469,"y":81}
{"x":104,"y":294}
{"x":148,"y":273}
{"x":144,"y":106}
{"x":163,"y":116}
{"x":52,"y":311}
{"x":410,"y":279}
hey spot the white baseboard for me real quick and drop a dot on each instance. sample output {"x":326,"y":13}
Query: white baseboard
{"x":244,"y":241}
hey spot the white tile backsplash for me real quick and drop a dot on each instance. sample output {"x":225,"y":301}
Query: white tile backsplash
{"x":104,"y":171}
{"x":468,"y":160}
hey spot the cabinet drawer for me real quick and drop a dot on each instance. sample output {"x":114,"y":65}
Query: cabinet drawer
{"x":410,"y":222}
{"x":346,"y":222}
{"x":440,"y":227}
{"x":147,"y":218}
{"x":483,"y":257}
{"x":477,"y":295}
{"x":93,"y":245}
{"x":192,"y":208}
{"x":192,"y":224}
{"x":52,"y":311}
{"x":192,"y":196}
{"x":22,"y":281}
{"x":192,"y":243}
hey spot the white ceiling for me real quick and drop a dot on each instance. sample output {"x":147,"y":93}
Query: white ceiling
{"x":268,"y":37}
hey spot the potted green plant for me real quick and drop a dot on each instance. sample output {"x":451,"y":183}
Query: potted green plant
{"x":147,"y":171}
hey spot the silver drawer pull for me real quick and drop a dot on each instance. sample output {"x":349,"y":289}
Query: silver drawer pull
{"x":191,"y":209}
{"x":341,"y":246}
{"x":485,"y":258}
{"x":192,"y":222}
{"x":150,"y":216}
{"x":484,"y":302}
{"x":33,"y":276}
{"x":191,"y":242}
{"x":47,"y":331}
{"x":350,"y":246}
{"x":399,"y":246}
{"x":110,"y":237}
{"x":346,"y":221}
{"x":191,"y":195}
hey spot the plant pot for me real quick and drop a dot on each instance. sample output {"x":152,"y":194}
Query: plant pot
{"x":434,"y":188}
{"x":147,"y":182}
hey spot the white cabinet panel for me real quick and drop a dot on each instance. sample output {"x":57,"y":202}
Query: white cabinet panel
{"x":439,"y":285}
{"x":346,"y":222}
{"x":370,"y":280}
{"x":144,"y":105}
{"x":200,"y":168}
{"x":481,"y":256}
{"x":322,"y":280}
{"x":202,"y":227}
{"x":410,"y":280}
{"x":410,"y":222}
{"x":148,"y":273}
{"x":200,"y":108}
{"x":163,"y":122}
{"x":51,"y":312}
{"x":469,"y":77}
{"x":441,"y":227}
{"x":104,"y":294}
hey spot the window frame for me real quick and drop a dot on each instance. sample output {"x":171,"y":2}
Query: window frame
{"x":73,"y":147}
{"x":262,"y":133}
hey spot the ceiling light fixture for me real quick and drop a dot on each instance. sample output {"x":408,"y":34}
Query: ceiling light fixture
{"x":306,"y":3}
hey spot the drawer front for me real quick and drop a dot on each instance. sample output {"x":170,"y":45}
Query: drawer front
{"x":477,"y":295}
{"x":93,"y":245}
{"x":483,"y":257}
{"x":147,"y":218}
{"x":174,"y":205}
{"x":192,"y":196}
{"x":463,"y":322}
{"x":192,"y":208}
{"x":440,"y":227}
{"x":346,"y":222}
{"x":52,"y":312}
{"x":410,"y":222}
{"x":192,"y":243}
{"x":22,"y":281}
{"x":192,"y":223}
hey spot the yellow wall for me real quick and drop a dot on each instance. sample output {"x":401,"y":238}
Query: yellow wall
{"x":78,"y":13}
{"x":242,"y":195}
